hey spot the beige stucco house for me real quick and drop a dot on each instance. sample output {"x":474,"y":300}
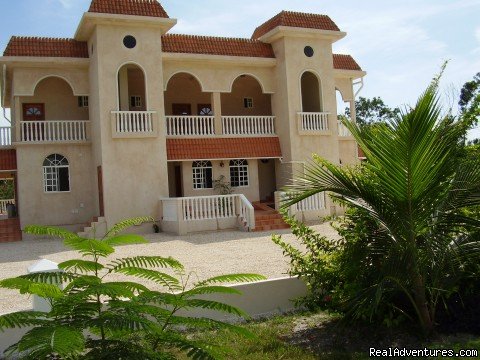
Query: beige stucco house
{"x":127,"y":119}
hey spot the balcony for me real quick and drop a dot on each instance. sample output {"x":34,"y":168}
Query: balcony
{"x":134,"y":124}
{"x":248,"y":125}
{"x":5,"y":136}
{"x":181,"y":125}
{"x":343,"y":132}
{"x":54,"y":131}
{"x":313,"y":123}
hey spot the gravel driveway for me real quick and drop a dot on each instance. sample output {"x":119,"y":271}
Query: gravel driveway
{"x":205,"y":254}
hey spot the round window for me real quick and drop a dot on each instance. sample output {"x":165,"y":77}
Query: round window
{"x":129,"y":41}
{"x":308,"y":51}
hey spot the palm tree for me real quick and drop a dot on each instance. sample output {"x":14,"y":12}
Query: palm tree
{"x":416,"y":187}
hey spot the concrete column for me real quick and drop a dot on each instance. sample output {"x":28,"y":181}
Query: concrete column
{"x":43,"y":266}
{"x":353,"y":111}
{"x":123,"y":89}
{"x":18,"y":117}
{"x":217,"y":110}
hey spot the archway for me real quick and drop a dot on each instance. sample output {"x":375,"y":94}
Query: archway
{"x":311,"y":93}
{"x":132,"y":94}
{"x":185,"y":96}
{"x":246,"y":98}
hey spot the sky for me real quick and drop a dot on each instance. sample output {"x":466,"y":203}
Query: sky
{"x":400,"y":43}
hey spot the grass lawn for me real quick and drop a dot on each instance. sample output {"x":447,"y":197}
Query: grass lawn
{"x":320,"y":336}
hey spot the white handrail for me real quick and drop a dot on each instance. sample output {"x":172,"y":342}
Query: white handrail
{"x":5,"y":136}
{"x":314,"y":121}
{"x":248,"y":125}
{"x":247,"y":213}
{"x":3,"y":205}
{"x":134,"y":121}
{"x":342,"y":130}
{"x":58,"y":130}
{"x":182,"y":125}
{"x":312,"y":203}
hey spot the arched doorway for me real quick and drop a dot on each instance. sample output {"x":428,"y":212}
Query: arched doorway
{"x":132,"y":94}
{"x":311,"y":93}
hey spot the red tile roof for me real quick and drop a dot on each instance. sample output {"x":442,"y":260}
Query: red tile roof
{"x":46,"y":47}
{"x":296,"y":19}
{"x":128,"y":7}
{"x":8,"y":159}
{"x":192,"y":44}
{"x":223,"y":148}
{"x":345,"y":62}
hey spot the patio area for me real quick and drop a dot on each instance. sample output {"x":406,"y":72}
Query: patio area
{"x":204,"y":254}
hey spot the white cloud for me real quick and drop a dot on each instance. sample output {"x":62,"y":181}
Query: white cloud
{"x":67,"y":3}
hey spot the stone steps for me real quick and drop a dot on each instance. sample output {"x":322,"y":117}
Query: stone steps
{"x":267,"y":219}
{"x":10,"y":230}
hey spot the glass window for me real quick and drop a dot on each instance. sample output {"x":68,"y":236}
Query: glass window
{"x":56,"y":177}
{"x":239,"y":173}
{"x":202,"y":175}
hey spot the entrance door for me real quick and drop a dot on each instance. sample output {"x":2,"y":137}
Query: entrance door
{"x":33,"y":131}
{"x":182,"y":109}
{"x":205,"y":109}
{"x":100,"y":191}
{"x":178,"y":181}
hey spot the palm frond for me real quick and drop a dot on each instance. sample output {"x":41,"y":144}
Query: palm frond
{"x":25,"y":286}
{"x":82,"y":266}
{"x":152,"y":275}
{"x":22,"y":319}
{"x":127,"y":239}
{"x":123,"y":225}
{"x":90,"y":247}
{"x":145,"y":262}
{"x":50,"y":231}
{"x":232,"y":278}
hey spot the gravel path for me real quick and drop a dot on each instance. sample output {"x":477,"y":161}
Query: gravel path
{"x":205,"y":254}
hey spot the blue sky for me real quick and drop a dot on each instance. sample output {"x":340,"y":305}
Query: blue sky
{"x":400,"y":43}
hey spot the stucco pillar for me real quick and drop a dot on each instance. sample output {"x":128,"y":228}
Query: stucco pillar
{"x":18,"y":113}
{"x":217,"y":110}
{"x":123,"y":89}
{"x":353,"y":111}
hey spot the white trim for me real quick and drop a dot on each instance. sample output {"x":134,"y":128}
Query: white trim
{"x":145,"y":80}
{"x":219,"y":159}
{"x":254,"y":76}
{"x":52,"y":75}
{"x":184,"y":72}
{"x":320,"y":88}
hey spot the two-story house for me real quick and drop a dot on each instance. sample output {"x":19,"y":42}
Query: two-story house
{"x":126,"y":119}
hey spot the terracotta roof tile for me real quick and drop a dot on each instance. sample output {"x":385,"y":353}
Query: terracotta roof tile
{"x":224,"y":148}
{"x":8,"y":159}
{"x":128,"y":7}
{"x":296,"y":19}
{"x":345,"y":62}
{"x":46,"y":47}
{"x":192,"y":44}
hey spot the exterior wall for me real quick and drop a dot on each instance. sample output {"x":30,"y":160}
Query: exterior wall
{"x":246,"y":87}
{"x":251,"y":192}
{"x":73,"y":208}
{"x":348,"y":152}
{"x":60,"y":103}
{"x":134,"y":170}
{"x":185,"y":89}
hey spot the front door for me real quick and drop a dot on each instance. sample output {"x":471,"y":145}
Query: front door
{"x":178,"y":181}
{"x":33,"y":131}
{"x":100,"y":191}
{"x":205,"y":109}
{"x":182,"y":109}
{"x":33,"y":112}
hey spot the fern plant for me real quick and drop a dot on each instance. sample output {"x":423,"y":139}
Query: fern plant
{"x":94,"y":318}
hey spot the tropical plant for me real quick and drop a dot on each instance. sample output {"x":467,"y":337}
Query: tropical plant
{"x":94,"y":318}
{"x":470,"y":100}
{"x":7,"y":189}
{"x":372,"y":111}
{"x":415,"y":188}
{"x":222,"y":186}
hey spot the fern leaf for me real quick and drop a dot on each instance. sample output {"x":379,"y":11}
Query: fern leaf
{"x":41,"y":342}
{"x":210,"y":324}
{"x":128,"y":239}
{"x":83,"y":266}
{"x":145,"y":262}
{"x":90,"y":247}
{"x":211,"y":290}
{"x":50,"y":231}
{"x":152,"y":275}
{"x":216,"y":306}
{"x":123,"y":225}
{"x":232,"y":278}
{"x":195,"y":349}
{"x":57,"y":277}
{"x":21,"y":319}
{"x":25,"y":286}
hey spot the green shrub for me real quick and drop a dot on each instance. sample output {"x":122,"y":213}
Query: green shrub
{"x":93,"y":318}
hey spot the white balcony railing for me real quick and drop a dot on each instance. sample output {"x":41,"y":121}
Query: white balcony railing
{"x":3,"y":205}
{"x":50,"y":131}
{"x":343,"y":131}
{"x":208,"y":207}
{"x":312,"y":203}
{"x":182,"y":125}
{"x":128,"y":123}
{"x":311,"y":121}
{"x":248,"y":125}
{"x":5,"y":136}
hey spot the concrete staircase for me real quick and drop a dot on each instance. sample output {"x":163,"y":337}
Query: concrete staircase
{"x":97,"y":227}
{"x":266,"y":218}
{"x":10,"y":230}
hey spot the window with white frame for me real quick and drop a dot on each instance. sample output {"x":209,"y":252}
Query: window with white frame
{"x":239,"y":173}
{"x":135,"y":101}
{"x":83,"y":101}
{"x":56,"y":177}
{"x":202,"y":175}
{"x":248,"y":103}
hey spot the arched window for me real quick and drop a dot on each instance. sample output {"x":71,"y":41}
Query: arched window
{"x":239,"y":173}
{"x":202,"y":175}
{"x":56,"y":177}
{"x":311,"y":93}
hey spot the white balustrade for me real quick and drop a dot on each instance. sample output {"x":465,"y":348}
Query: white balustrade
{"x":343,"y":131}
{"x":5,"y":136}
{"x":3,"y":205}
{"x":248,"y":125}
{"x":312,"y":203}
{"x":41,"y":131}
{"x":311,"y":121}
{"x":133,"y":122}
{"x":208,"y":207}
{"x":182,"y":125}
{"x":247,"y":213}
